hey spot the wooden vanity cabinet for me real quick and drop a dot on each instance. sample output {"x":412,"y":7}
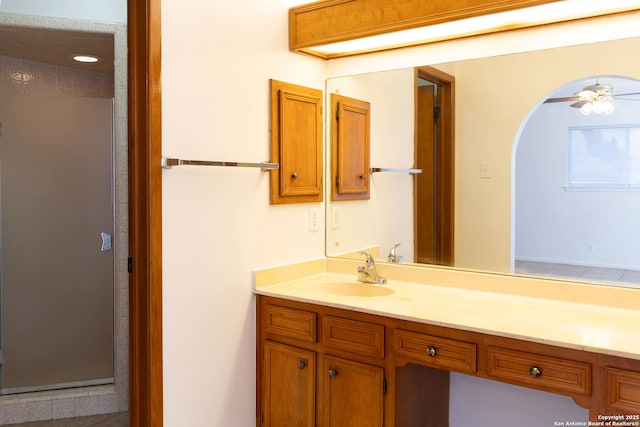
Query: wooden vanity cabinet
{"x":337,"y":380}
{"x":329,"y":367}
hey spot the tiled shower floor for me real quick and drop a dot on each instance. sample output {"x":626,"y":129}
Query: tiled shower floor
{"x":120,"y":419}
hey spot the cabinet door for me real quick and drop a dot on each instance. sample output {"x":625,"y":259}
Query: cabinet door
{"x":351,"y":394}
{"x":296,"y":143}
{"x":288,"y":390}
{"x":350,"y":148}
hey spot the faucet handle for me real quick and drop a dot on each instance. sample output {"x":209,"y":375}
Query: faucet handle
{"x":393,"y":254}
{"x":369,"y":261}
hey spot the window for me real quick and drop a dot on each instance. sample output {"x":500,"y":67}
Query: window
{"x":604,"y":157}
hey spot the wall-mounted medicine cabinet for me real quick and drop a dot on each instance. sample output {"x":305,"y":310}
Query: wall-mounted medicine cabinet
{"x":349,"y":148}
{"x":296,"y":143}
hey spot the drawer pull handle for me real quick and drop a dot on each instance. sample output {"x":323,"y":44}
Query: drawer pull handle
{"x":431,"y":351}
{"x":535,"y":372}
{"x":302,"y":364}
{"x":333,"y":373}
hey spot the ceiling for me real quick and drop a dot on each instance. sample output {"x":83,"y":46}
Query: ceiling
{"x":56,"y":46}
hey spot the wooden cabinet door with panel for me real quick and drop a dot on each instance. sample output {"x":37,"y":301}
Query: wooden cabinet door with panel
{"x":289,"y":386}
{"x":350,"y":129}
{"x":350,"y":394}
{"x":296,"y":143}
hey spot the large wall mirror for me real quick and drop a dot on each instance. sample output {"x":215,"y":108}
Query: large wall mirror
{"x":522,"y":202}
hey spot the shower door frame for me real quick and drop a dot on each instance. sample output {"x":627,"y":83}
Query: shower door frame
{"x":145,"y":213}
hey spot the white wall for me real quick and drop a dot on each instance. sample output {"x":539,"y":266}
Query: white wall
{"x":218,"y":224}
{"x":94,"y":10}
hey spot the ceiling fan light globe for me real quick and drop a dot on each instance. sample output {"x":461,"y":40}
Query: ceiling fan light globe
{"x":609,"y":108}
{"x":586,"y":109}
{"x":599,"y":107}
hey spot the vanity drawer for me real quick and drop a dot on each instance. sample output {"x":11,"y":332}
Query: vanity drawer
{"x":550,"y":373}
{"x":352,"y":335}
{"x":623,"y":390}
{"x":438,"y":352}
{"x":290,"y":322}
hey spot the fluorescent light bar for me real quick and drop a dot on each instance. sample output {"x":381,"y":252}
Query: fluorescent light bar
{"x":536,"y":15}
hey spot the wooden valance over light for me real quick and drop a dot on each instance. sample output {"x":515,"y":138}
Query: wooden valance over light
{"x":315,"y":26}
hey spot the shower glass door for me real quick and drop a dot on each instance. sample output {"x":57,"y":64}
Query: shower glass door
{"x":56,"y":214}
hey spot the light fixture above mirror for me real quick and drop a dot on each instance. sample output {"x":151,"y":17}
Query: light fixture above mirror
{"x":330,"y":29}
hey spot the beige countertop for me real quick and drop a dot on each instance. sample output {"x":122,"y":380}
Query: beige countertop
{"x":596,"y":318}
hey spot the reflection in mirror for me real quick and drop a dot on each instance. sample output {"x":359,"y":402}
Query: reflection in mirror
{"x":513,"y":156}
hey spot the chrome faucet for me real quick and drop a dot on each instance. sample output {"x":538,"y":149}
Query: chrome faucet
{"x":367,"y":273}
{"x":393,"y":255}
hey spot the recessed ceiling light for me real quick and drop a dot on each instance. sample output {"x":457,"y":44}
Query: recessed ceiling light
{"x":85,"y":58}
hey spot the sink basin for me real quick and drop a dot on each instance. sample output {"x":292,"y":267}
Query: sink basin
{"x":357,"y":289}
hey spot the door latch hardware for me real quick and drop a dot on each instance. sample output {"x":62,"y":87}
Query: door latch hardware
{"x":106,"y":241}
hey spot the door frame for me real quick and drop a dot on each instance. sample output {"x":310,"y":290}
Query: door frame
{"x":145,"y":213}
{"x":445,"y":162}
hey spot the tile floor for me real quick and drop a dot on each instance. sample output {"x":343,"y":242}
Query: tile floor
{"x":119,"y":419}
{"x":613,"y":276}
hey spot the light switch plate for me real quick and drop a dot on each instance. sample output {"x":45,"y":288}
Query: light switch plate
{"x":314,"y":219}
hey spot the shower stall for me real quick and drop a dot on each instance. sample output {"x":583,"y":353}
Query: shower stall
{"x":56,"y":257}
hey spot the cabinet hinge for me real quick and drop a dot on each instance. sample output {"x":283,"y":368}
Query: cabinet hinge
{"x":337,"y":181}
{"x":130,"y":265}
{"x":436,"y":112}
{"x":384,"y":386}
{"x":338,"y":112}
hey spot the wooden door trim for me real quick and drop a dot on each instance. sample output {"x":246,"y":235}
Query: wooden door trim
{"x":145,"y":214}
{"x":445,"y":161}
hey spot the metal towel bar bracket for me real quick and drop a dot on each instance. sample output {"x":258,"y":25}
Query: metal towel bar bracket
{"x":168,"y":163}
{"x":409,"y":171}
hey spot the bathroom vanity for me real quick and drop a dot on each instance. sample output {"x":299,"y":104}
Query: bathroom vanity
{"x":335,"y":352}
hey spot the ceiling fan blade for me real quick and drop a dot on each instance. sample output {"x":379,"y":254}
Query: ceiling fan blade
{"x":578,"y":104}
{"x":626,"y":99}
{"x":617,"y":95}
{"x":566,"y":99}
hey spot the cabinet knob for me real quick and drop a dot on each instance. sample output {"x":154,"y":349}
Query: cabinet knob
{"x":294,"y":175}
{"x":431,"y":351}
{"x":302,"y":364}
{"x":333,"y":373}
{"x":535,"y":372}
{"x":361,"y":177}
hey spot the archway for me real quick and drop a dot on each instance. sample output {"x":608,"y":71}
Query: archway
{"x":575,"y":185}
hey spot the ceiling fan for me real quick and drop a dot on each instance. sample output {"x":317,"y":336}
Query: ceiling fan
{"x":594,"y":98}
